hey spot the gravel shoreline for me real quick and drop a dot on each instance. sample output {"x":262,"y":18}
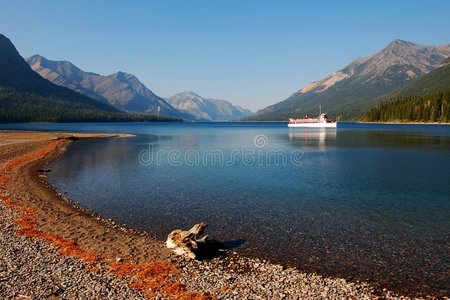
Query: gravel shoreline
{"x":238,"y":277}
{"x":33,"y":269}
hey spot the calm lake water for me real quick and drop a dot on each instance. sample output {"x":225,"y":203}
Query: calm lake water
{"x":362,"y":202}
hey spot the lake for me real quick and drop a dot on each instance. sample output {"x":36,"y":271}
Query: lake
{"x":362,"y":202}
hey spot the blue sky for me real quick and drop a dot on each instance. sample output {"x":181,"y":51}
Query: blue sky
{"x":253,"y":53}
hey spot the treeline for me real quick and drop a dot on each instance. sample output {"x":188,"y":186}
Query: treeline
{"x":432,"y":107}
{"x":19,"y":106}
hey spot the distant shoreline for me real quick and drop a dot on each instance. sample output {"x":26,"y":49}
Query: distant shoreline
{"x":245,"y":121}
{"x":399,"y":123}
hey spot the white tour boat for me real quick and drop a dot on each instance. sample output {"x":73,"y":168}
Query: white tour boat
{"x":321,"y":121}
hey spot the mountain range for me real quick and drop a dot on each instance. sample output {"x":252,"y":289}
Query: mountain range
{"x":122,"y":90}
{"x":16,"y":73}
{"x":27,"y":97}
{"x":206,"y":108}
{"x":349,"y":92}
{"x":60,"y":91}
{"x":125,"y":92}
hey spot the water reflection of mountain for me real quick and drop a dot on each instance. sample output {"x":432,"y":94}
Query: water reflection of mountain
{"x":95,"y":154}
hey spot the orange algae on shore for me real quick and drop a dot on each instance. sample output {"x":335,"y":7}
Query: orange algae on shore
{"x":18,"y":162}
{"x":28,"y":227}
{"x":41,"y":153}
{"x":151,"y":278}
{"x":154,"y":278}
{"x":26,"y":221}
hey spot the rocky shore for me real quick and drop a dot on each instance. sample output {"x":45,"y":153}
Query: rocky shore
{"x":33,"y":269}
{"x":50,"y":249}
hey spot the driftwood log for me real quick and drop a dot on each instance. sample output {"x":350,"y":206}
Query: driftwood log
{"x":190,"y":243}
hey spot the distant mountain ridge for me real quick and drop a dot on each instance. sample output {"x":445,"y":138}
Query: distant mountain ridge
{"x":27,"y":97}
{"x":122,"y":90}
{"x":347,"y":93}
{"x":207,"y":108}
{"x":16,"y":73}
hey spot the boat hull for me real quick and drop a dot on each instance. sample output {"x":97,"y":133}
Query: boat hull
{"x":313,"y":125}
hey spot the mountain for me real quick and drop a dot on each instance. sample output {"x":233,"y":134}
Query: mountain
{"x":27,"y":97}
{"x":208,"y":109}
{"x":436,"y":80}
{"x":16,"y":73}
{"x":122,"y":90}
{"x":425,"y":99}
{"x":347,"y":93}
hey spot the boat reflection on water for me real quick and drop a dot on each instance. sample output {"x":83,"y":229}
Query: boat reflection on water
{"x":313,"y":137}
